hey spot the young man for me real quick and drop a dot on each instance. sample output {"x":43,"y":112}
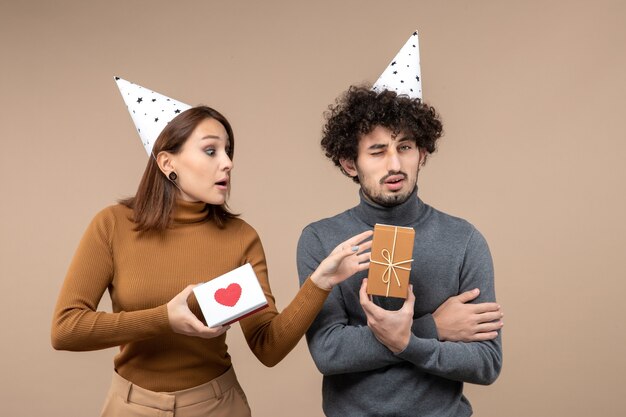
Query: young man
{"x":386,"y":357}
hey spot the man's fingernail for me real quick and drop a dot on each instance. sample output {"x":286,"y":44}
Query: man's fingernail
{"x":355,"y":248}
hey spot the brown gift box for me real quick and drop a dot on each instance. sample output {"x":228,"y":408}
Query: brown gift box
{"x":390,"y":264}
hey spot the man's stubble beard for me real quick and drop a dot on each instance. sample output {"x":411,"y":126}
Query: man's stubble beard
{"x":390,"y":200}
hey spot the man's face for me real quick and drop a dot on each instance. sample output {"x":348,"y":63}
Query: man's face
{"x":387,"y":166}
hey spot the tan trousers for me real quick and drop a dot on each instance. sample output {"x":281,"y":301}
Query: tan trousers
{"x":222,"y":396}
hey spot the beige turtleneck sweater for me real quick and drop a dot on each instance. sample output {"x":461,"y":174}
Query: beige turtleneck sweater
{"x":143,"y":271}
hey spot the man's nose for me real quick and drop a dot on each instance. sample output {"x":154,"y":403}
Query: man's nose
{"x":393,"y":162}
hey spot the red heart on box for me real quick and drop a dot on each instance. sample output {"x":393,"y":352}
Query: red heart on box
{"x":228,"y":296}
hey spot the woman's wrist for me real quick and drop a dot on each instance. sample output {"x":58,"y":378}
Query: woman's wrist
{"x":322,"y":282}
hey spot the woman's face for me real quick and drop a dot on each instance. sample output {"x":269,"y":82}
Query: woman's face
{"x":203,"y":166}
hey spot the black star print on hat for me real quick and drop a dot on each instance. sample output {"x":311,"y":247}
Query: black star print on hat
{"x":155,"y":112}
{"x":403,"y":73}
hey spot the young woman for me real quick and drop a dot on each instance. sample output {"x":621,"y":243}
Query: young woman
{"x":150,"y":250}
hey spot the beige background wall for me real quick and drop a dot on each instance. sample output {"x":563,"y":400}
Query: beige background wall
{"x":531,"y":94}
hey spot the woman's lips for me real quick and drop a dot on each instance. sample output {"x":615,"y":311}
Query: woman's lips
{"x":222,"y":184}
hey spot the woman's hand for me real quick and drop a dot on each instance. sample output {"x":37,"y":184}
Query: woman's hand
{"x":183,"y":321}
{"x":344,"y":261}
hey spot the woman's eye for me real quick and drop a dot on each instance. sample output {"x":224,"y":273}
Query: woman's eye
{"x":210,"y":151}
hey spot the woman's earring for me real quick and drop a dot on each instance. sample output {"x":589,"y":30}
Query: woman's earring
{"x":172,"y":176}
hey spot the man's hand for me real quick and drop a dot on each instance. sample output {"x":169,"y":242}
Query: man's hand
{"x":391,"y":328}
{"x":459,"y":321}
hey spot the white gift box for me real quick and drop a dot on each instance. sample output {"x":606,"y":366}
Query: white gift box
{"x":230,"y":297}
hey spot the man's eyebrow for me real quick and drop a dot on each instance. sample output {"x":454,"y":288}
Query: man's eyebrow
{"x":404,"y":138}
{"x":377,"y":146}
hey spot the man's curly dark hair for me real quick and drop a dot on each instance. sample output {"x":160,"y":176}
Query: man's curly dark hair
{"x":359,"y":110}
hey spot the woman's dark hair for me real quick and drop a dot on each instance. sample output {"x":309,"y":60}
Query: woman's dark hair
{"x":359,"y":110}
{"x":154,"y":201}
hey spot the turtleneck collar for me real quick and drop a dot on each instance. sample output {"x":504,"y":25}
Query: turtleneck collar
{"x":404,"y":214}
{"x":189,"y":212}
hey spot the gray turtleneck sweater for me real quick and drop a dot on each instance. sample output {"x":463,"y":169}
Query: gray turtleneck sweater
{"x":361,"y":376}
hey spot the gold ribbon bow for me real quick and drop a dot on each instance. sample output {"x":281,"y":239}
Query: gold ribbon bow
{"x":390,"y":265}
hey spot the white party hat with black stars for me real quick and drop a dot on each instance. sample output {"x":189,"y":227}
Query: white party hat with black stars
{"x":150,"y":111}
{"x":403,"y":75}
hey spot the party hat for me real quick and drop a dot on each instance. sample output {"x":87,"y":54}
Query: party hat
{"x":403,"y":73}
{"x":150,"y":111}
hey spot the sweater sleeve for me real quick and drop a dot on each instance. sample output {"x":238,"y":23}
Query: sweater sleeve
{"x":336,"y":346}
{"x":76,"y":325}
{"x":474,"y":362}
{"x":272,"y":335}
